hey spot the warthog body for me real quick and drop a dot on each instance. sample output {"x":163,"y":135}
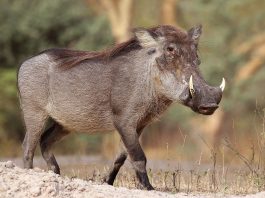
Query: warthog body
{"x":121,"y":89}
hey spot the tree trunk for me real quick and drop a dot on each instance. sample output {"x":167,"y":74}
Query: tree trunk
{"x":168,"y":12}
{"x":217,"y":123}
{"x":119,"y":14}
{"x":253,"y":65}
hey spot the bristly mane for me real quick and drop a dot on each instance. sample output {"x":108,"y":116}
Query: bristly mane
{"x":67,"y":58}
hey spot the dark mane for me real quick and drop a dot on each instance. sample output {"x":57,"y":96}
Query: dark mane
{"x":69,"y":58}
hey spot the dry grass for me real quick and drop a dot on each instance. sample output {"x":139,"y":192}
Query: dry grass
{"x":219,"y":175}
{"x":224,"y":181}
{"x":212,"y":178}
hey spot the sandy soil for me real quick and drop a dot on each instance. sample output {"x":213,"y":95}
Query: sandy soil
{"x":17,"y":182}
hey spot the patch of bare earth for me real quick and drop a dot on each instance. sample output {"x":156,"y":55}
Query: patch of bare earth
{"x":18,"y":182}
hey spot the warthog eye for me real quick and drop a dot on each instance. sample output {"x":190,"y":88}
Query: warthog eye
{"x":151,"y":51}
{"x":170,"y":48}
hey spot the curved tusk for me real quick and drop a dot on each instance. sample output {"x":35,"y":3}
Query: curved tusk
{"x":222,"y":86}
{"x":191,"y":88}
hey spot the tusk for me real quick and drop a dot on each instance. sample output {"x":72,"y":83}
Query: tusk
{"x":222,"y":86}
{"x":192,"y":91}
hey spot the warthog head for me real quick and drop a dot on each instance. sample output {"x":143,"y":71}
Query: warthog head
{"x":176,"y":65}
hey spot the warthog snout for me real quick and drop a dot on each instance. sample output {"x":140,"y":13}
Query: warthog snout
{"x":203,"y":99}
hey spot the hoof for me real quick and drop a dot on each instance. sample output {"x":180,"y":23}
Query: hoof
{"x":150,"y":188}
{"x":108,"y":180}
{"x":147,"y":187}
{"x":54,"y":169}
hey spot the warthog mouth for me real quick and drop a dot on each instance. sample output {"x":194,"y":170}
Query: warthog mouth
{"x":207,"y":109}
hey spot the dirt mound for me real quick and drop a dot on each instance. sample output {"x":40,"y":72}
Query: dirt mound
{"x":17,"y":182}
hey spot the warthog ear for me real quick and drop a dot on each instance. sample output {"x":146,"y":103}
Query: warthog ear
{"x":145,"y":38}
{"x":195,"y":33}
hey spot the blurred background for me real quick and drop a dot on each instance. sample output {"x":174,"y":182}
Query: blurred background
{"x":232,"y":45}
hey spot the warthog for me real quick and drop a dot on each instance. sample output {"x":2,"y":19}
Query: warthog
{"x":123,"y":88}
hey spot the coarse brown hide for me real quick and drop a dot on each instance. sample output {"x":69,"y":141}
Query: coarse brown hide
{"x":122,"y":88}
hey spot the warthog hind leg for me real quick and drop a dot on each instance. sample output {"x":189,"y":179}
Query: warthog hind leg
{"x":35,"y":122}
{"x":48,"y":138}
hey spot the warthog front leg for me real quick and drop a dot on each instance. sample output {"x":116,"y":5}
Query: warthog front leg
{"x":131,"y":142}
